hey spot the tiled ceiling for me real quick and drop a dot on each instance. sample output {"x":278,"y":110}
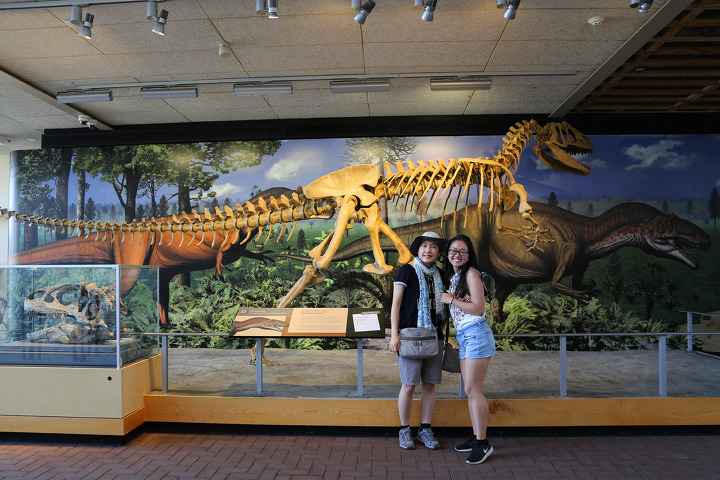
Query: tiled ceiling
{"x":548,"y":61}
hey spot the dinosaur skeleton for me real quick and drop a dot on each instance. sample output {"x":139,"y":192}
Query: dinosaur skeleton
{"x":354,"y":193}
{"x":88,"y":304}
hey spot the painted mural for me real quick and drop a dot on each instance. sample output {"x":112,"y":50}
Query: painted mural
{"x":624,"y":248}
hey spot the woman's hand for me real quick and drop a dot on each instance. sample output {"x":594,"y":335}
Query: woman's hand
{"x":447,"y":297}
{"x":394,"y":345}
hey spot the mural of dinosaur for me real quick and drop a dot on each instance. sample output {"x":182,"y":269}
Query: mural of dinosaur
{"x":571,"y":243}
{"x":353,"y":193}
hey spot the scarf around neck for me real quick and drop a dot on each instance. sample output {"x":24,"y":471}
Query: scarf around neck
{"x":424,"y":313}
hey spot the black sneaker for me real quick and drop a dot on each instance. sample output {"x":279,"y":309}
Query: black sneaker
{"x":466,"y":446}
{"x":479,"y":453}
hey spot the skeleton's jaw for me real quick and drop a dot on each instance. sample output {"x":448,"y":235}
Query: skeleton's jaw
{"x":556,"y":158}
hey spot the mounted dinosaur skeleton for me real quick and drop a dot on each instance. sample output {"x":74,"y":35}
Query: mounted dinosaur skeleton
{"x":354,"y":194}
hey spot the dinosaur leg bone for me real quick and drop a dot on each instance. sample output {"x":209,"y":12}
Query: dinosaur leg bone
{"x":375,"y":225}
{"x":347,"y":210}
{"x":310,"y":276}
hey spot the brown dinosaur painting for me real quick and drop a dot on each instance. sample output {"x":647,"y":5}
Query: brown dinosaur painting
{"x":173,"y":253}
{"x":567,"y":248}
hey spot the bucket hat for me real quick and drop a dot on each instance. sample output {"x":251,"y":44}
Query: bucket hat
{"x":432,"y":236}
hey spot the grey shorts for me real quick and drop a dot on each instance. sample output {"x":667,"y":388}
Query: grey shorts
{"x":428,"y":370}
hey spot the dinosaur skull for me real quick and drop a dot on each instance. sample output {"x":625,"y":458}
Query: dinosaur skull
{"x":556,"y":142}
{"x":89,"y":304}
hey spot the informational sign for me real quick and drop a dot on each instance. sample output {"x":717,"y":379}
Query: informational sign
{"x":309,"y":322}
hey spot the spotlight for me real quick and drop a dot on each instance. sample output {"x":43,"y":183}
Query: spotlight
{"x":260,"y":7}
{"x":429,"y":12}
{"x":362,"y":15}
{"x":501,"y":3}
{"x":419,"y":4}
{"x":152,"y":11}
{"x":79,"y":96}
{"x":355,"y":5}
{"x":224,"y":50}
{"x":645,"y":6}
{"x":272,"y":8}
{"x":76,"y":15}
{"x":160,"y":22}
{"x":511,"y":10}
{"x":634,"y":3}
{"x":168,"y":92}
{"x":86,"y":30}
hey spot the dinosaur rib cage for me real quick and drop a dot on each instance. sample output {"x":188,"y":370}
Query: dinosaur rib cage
{"x":441,"y":176}
{"x":274,"y":212}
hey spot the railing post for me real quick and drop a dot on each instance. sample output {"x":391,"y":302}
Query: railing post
{"x":258,"y":364}
{"x":662,"y":343}
{"x":164,"y":363}
{"x":360,"y":366}
{"x":563,"y":366}
{"x":689,"y":329}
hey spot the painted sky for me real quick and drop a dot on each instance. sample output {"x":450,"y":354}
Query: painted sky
{"x":629,"y":166}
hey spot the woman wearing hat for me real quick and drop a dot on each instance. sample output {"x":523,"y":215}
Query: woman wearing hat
{"x":416,"y":302}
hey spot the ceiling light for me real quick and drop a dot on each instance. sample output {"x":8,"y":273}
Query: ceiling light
{"x":152,"y":10}
{"x":272,"y":8}
{"x":86,"y":30}
{"x":82,"y":96}
{"x":458,"y":84}
{"x":511,"y":10}
{"x":419,"y":4}
{"x":429,"y":12}
{"x":224,"y":50}
{"x":160,"y":22}
{"x":501,"y":3}
{"x":634,"y":3}
{"x":168,"y":92}
{"x":645,"y":6}
{"x":362,"y":15}
{"x":260,"y":7}
{"x":356,"y":86}
{"x":76,"y":14}
{"x":355,"y":5}
{"x":262,"y":89}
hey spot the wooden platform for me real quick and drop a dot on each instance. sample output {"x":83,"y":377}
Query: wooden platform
{"x":368,"y":412}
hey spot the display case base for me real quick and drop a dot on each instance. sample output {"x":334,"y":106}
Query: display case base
{"x":71,"y":355}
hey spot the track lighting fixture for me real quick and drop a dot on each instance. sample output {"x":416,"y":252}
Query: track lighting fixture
{"x":160,"y":22}
{"x":429,"y":12}
{"x":645,"y":6}
{"x":224,"y":50}
{"x":362,"y":15}
{"x":355,"y":5}
{"x":262,"y":89}
{"x":502,"y":4}
{"x":458,"y":84}
{"x":634,"y":3}
{"x":86,"y":30}
{"x":272,"y":8}
{"x":511,"y":9}
{"x":418,"y":4}
{"x":260,"y":7}
{"x":76,"y":14}
{"x":84,"y":96}
{"x":356,"y":86}
{"x":168,"y":92}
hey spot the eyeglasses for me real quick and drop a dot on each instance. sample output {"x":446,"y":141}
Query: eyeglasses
{"x":462,"y":253}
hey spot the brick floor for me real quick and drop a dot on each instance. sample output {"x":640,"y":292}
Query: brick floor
{"x":231,"y":456}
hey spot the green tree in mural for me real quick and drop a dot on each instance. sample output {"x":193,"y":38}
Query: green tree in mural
{"x":665,"y":207}
{"x":714,"y":208}
{"x":590,"y":210}
{"x":90,"y":211}
{"x":300,"y":243}
{"x":569,"y":206}
{"x":553,"y":200}
{"x":34,"y":172}
{"x":196,"y":166}
{"x":163,"y":207}
{"x":614,"y":282}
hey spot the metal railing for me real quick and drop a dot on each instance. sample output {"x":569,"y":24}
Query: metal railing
{"x":662,"y":354}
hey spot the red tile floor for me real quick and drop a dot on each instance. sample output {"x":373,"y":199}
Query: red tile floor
{"x":542,"y":454}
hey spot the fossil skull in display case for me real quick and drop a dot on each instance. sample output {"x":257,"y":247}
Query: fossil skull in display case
{"x":91,"y":306}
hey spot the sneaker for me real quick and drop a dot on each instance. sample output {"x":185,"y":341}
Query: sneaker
{"x":426,"y":436}
{"x":466,"y":446}
{"x":479,"y":453}
{"x":406,"y":440}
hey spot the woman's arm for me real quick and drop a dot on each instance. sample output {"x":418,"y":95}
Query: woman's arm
{"x":477,"y":294}
{"x":398,"y":291}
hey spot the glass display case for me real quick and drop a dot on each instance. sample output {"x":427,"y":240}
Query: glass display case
{"x":77,"y":315}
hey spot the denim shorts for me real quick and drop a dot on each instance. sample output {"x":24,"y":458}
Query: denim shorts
{"x":476,"y":341}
